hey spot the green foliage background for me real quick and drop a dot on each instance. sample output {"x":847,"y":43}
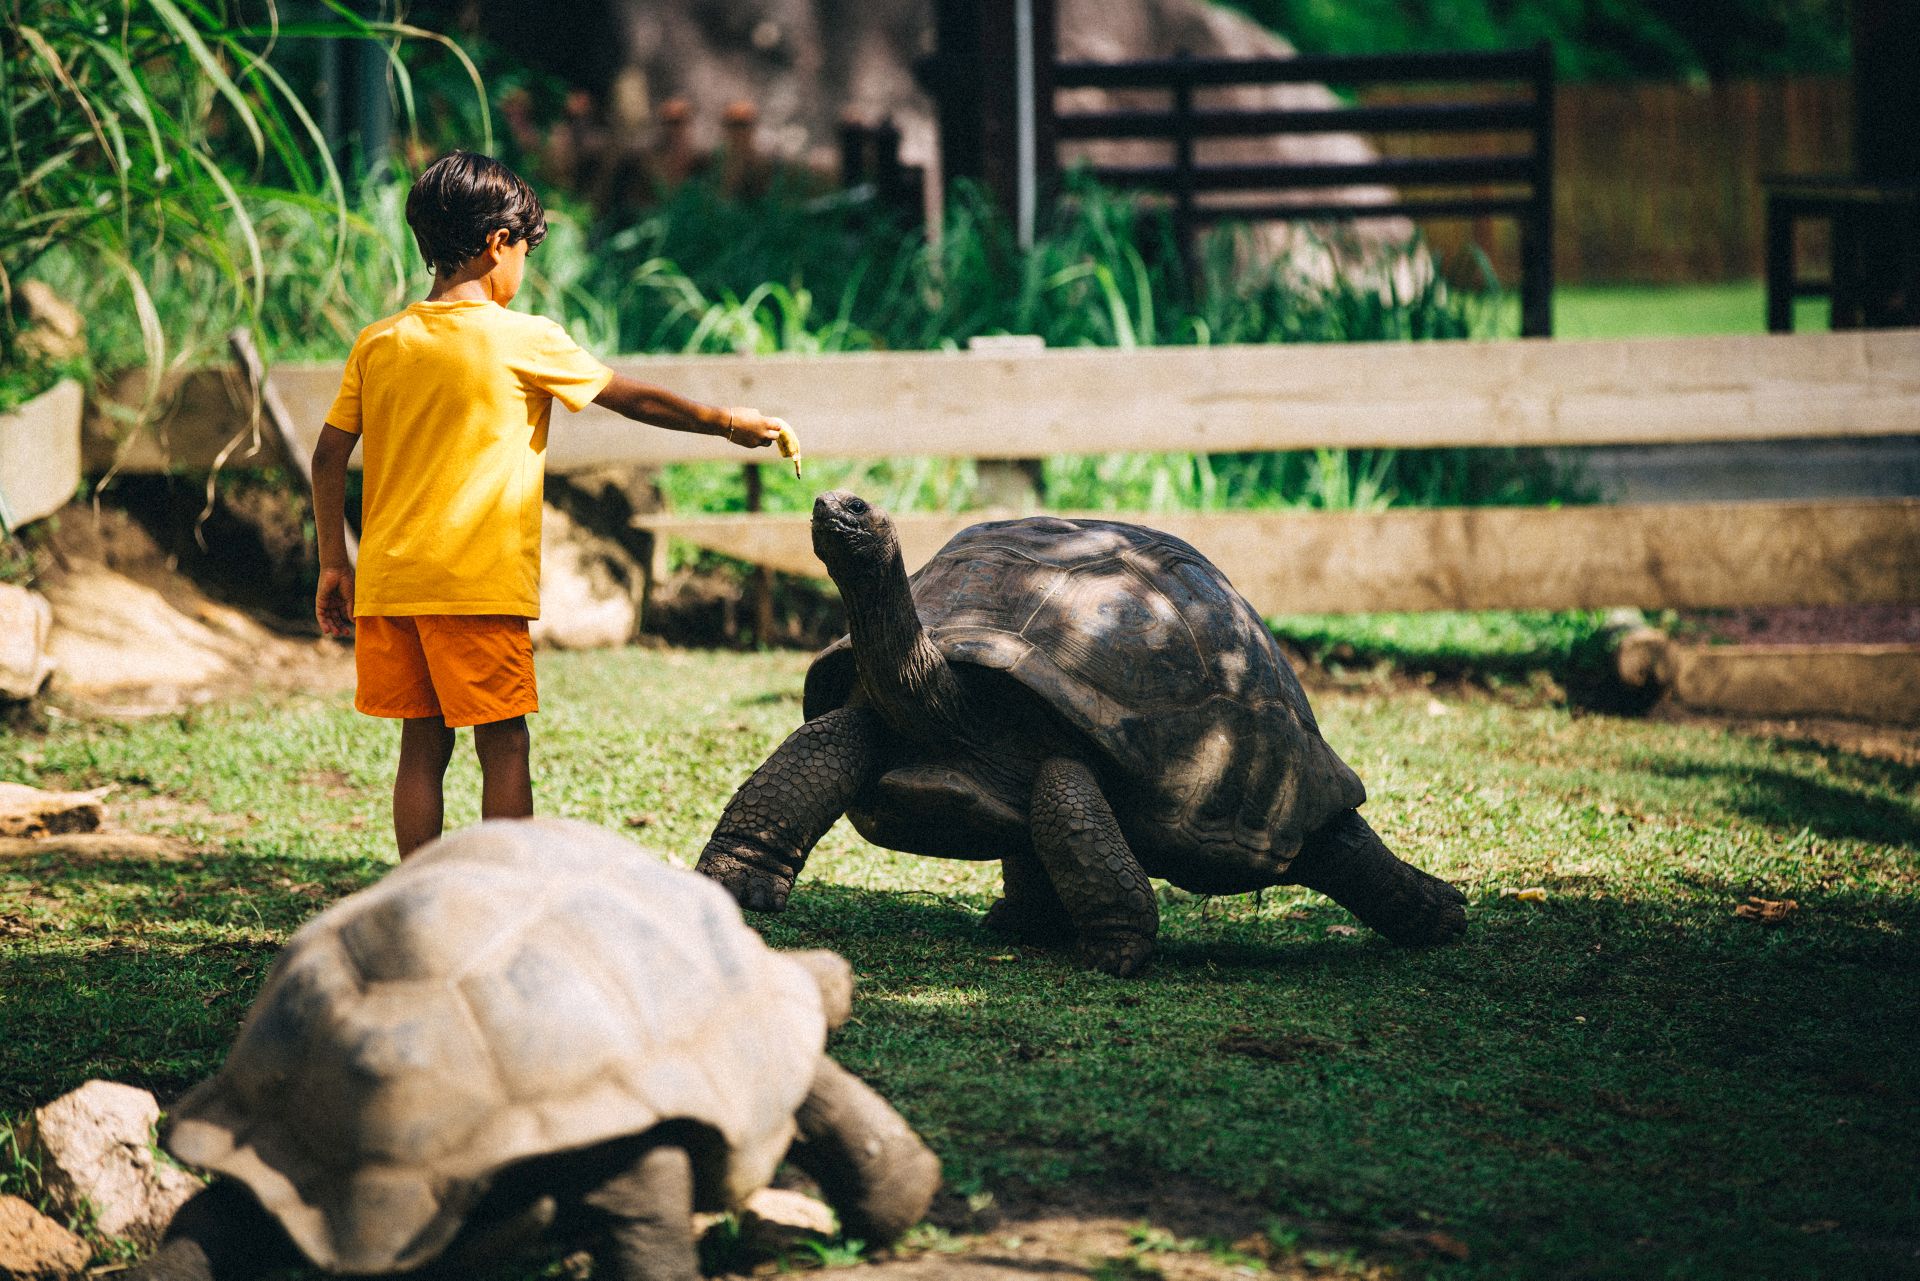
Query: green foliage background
{"x":1592,"y":39}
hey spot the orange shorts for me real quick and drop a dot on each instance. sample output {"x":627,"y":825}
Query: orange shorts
{"x":470,"y":669}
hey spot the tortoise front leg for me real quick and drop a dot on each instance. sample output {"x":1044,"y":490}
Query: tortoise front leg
{"x":1348,"y":862}
{"x":778,"y":815}
{"x":646,"y":1219}
{"x":1101,"y":883}
{"x":874,"y":1170}
{"x":220,"y":1234}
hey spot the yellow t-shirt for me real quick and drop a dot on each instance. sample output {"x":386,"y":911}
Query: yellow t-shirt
{"x":450,"y":400}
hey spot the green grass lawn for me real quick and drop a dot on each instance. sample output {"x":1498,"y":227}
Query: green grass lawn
{"x":1656,"y":311}
{"x":1627,"y":1080}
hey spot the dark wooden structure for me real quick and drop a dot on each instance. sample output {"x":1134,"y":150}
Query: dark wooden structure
{"x":1874,"y":210}
{"x":356,"y":105}
{"x":991,"y":78}
{"x":1523,"y":178}
{"x":870,"y":160}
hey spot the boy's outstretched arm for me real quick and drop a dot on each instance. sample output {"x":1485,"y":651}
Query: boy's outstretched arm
{"x":333,"y":599}
{"x":631,"y":398}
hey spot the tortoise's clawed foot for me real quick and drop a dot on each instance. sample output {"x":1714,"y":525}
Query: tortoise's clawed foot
{"x":753,"y":888}
{"x":1121,"y":954}
{"x":1018,"y":922}
{"x":1347,"y":861}
{"x":1429,"y":912}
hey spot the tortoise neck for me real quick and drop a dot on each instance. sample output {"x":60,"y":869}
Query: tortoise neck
{"x":912,"y":685}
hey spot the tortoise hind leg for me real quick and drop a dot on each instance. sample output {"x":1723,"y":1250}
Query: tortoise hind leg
{"x":1349,"y":863}
{"x":1029,"y":910}
{"x":774,"y":820}
{"x":646,"y":1212}
{"x":1098,"y":879}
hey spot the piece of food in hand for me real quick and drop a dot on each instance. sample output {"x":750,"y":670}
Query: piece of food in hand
{"x":789,"y":446}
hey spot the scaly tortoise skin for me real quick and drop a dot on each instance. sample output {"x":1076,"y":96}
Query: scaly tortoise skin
{"x":1091,"y":703}
{"x":539,"y":1006}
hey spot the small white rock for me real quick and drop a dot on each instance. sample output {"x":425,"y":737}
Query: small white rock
{"x":96,"y":1145}
{"x":774,"y":1219}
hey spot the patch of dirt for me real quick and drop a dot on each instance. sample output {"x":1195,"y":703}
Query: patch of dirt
{"x":1180,"y":1230}
{"x":161,"y":811}
{"x":1899,"y":744}
{"x":247,"y":547}
{"x":96,"y":847}
{"x":334,"y":782}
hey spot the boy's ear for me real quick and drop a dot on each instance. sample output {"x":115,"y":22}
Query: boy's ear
{"x":498,"y":239}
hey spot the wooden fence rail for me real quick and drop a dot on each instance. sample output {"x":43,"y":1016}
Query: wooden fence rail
{"x":1410,"y":395}
{"x":1667,"y":556}
{"x":1033,"y":404}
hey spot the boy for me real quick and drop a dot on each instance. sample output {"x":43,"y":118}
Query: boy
{"x":452,"y":397}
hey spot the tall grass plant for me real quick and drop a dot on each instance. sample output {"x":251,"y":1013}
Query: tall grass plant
{"x":160,"y":165}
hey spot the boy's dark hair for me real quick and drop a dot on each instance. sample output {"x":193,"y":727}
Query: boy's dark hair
{"x":462,"y":199}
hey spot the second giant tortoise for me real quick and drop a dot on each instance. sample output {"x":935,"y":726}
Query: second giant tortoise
{"x":1089,"y":702}
{"x":528,"y":1025}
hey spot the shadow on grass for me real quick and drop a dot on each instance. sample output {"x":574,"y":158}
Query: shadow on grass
{"x":1837,"y":810}
{"x":1592,"y":1086}
{"x":139,"y":969}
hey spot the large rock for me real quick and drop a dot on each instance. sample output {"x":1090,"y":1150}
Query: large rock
{"x":133,"y":635}
{"x":34,"y":1247}
{"x":590,"y":588}
{"x":26,"y":620}
{"x":96,"y":1147}
{"x":114,"y":634}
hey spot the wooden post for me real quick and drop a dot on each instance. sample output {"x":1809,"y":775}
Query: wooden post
{"x":760,"y":586}
{"x":1876,"y":250}
{"x":1536,"y":229}
{"x":1183,"y":221}
{"x":855,"y":140}
{"x":1886,"y":90}
{"x":1780,"y":265}
{"x":356,"y":110}
{"x":991,"y":75}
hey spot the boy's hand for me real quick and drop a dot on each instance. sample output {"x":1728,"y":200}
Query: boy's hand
{"x":751,"y":429}
{"x":333,"y":602}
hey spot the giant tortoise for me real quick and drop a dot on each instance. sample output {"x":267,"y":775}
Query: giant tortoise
{"x":529,"y":1025}
{"x":1089,"y":702}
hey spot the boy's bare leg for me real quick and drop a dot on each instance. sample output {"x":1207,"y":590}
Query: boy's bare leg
{"x":506,"y":776}
{"x":426,"y":745}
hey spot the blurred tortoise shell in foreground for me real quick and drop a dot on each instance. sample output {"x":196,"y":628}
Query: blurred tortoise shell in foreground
{"x":515,"y":990}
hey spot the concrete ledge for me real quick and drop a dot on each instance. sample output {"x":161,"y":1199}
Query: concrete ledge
{"x":1874,"y":683}
{"x":40,"y":454}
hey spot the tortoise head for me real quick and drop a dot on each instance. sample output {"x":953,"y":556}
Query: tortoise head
{"x":854,"y":539}
{"x":835,"y":977}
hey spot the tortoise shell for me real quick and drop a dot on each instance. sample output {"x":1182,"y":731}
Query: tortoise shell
{"x":1211,"y":756}
{"x":514,"y":990}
